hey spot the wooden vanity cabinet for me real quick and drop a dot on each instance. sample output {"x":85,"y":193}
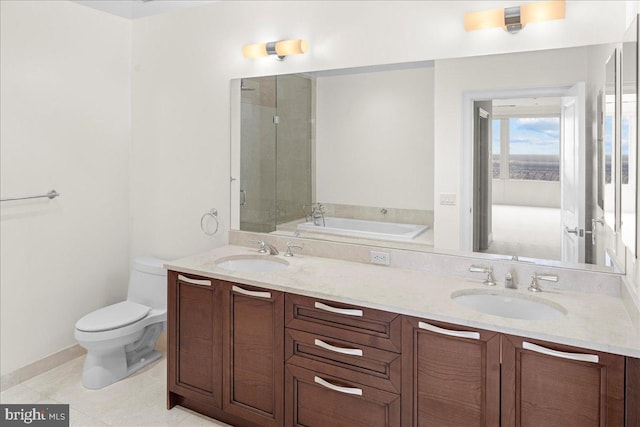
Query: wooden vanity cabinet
{"x":225,"y":350}
{"x":194,"y":339}
{"x":343,"y":365}
{"x":460,"y":376}
{"x":632,"y":392}
{"x":450,"y":375}
{"x":253,"y":354}
{"x":546,"y":384}
{"x":259,"y":358}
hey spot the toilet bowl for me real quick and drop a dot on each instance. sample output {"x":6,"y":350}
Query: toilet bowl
{"x":120,"y":338}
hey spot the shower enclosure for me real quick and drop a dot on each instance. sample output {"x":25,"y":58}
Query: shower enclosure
{"x":275,"y":150}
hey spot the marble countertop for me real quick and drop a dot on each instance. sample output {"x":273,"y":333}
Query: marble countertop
{"x":593,"y":321}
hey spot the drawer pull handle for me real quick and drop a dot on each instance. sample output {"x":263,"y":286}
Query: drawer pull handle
{"x":459,"y":334}
{"x":257,"y":294}
{"x":194,"y":281}
{"x":345,"y":311}
{"x":593,"y":358}
{"x":345,"y":390}
{"x":341,"y":350}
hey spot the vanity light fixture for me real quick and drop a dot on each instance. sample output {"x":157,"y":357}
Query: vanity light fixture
{"x":280,"y":48}
{"x":513,"y":19}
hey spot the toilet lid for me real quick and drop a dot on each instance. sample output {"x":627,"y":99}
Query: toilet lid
{"x":113,"y":316}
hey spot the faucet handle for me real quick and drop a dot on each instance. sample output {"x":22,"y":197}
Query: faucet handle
{"x":490,"y":280}
{"x":535,"y":286}
{"x":263,"y":246}
{"x":289,"y":247}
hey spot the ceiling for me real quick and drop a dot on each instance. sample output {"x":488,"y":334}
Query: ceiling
{"x":134,"y":9}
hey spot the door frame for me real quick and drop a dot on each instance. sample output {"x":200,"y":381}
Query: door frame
{"x":466,"y":183}
{"x":482,"y":172}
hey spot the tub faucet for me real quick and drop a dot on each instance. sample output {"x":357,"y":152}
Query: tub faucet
{"x":317,"y":214}
{"x":265,"y":247}
{"x":535,"y":287}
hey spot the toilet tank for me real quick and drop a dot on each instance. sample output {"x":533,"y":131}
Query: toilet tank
{"x":148,"y":282}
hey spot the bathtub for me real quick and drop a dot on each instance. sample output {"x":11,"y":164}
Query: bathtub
{"x":368,"y":229}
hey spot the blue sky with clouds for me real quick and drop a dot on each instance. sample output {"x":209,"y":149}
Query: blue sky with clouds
{"x":531,"y":135}
{"x":541,"y":135}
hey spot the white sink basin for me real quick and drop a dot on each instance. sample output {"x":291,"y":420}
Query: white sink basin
{"x":252,"y":263}
{"x":507,"y":304}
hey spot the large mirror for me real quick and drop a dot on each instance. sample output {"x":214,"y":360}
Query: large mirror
{"x":359,"y":155}
{"x":629,"y":138}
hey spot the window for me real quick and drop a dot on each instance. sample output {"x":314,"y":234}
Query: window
{"x":531,"y":148}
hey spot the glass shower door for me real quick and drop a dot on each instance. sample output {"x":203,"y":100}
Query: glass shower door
{"x":275,"y":151}
{"x":258,"y":155}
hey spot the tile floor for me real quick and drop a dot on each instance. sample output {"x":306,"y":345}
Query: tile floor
{"x":138,"y":400}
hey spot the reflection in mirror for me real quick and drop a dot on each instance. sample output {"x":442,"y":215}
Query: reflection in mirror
{"x":609,"y":141}
{"x":363,"y":162}
{"x":628,"y":137}
{"x":523,"y":192}
{"x":275,"y":151}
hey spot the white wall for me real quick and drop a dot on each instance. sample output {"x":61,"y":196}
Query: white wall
{"x":454,"y":78}
{"x":183,"y":63}
{"x":65,"y":117}
{"x":523,"y":192}
{"x":374,"y":139}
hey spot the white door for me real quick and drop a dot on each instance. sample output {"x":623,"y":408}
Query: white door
{"x":572,"y":178}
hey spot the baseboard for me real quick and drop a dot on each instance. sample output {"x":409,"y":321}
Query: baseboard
{"x":56,"y":359}
{"x":40,"y":366}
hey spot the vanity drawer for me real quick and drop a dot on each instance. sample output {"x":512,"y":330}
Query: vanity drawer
{"x":350,"y":323}
{"x":314,"y":399}
{"x":355,"y":362}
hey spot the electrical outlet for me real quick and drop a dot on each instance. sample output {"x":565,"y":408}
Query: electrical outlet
{"x":381,"y":258}
{"x":448,"y":199}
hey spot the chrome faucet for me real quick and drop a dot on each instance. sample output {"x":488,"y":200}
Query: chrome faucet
{"x":265,"y":247}
{"x":316,"y":214}
{"x":490,"y":280}
{"x":535,"y":287}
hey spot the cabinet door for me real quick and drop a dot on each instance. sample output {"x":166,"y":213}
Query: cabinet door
{"x":545,"y":384}
{"x":450,"y":375}
{"x":194,"y":338}
{"x":632,"y":394}
{"x":314,"y":399}
{"x":254,"y":354}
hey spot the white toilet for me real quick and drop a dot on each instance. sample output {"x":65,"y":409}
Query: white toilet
{"x":121,"y":338}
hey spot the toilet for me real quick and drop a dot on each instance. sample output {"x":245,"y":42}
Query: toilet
{"x":120,"y":338}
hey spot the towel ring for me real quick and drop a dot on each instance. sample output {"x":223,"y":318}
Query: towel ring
{"x":213,"y":213}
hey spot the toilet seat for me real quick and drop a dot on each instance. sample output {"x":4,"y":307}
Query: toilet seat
{"x":113,"y":317}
